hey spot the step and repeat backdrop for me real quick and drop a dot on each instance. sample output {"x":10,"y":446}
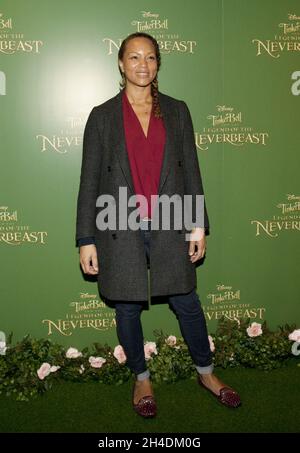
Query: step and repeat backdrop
{"x":236,"y":65}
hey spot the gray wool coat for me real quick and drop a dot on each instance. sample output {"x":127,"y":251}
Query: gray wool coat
{"x":123,"y":273}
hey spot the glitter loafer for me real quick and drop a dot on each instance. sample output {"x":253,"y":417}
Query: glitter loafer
{"x":227,"y":396}
{"x":146,"y":407}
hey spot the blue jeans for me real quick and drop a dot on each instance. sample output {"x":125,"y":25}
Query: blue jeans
{"x":189,"y":313}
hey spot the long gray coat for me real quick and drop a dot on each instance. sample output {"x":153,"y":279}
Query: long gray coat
{"x":123,"y":273}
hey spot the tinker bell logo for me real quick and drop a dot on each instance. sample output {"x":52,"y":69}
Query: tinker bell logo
{"x":5,"y":23}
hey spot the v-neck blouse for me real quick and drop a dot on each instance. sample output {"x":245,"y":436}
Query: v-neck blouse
{"x":145,"y":154}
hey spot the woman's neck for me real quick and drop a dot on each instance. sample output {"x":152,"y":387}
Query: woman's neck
{"x":138,"y":95}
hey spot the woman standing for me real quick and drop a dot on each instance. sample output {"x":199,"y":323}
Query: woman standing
{"x":142,"y":141}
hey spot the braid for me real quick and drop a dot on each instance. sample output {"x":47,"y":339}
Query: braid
{"x":154,"y":92}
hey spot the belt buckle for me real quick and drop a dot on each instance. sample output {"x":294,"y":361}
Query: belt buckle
{"x":145,"y":223}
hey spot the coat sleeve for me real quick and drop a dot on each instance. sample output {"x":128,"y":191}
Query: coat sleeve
{"x":89,"y":179}
{"x":192,"y":173}
{"x":85,"y":241}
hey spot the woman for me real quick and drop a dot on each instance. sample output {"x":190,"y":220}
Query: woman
{"x":142,"y":141}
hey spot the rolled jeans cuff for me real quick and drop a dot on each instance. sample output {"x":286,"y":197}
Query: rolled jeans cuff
{"x":144,"y":375}
{"x":205,"y":369}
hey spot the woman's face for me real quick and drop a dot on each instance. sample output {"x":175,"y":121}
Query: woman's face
{"x":139,"y":62}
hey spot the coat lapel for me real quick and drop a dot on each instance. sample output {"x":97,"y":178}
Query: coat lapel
{"x":120,"y":142}
{"x":169,"y":117}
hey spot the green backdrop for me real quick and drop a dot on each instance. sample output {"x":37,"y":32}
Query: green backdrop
{"x":236,"y":64}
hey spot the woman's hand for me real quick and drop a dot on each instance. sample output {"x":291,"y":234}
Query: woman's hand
{"x":89,"y":259}
{"x":197,"y":244}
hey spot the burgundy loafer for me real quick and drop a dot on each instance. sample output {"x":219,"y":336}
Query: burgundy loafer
{"x":146,"y":407}
{"x":227,"y":396}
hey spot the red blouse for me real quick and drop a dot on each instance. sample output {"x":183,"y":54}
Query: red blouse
{"x":145,"y":153}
